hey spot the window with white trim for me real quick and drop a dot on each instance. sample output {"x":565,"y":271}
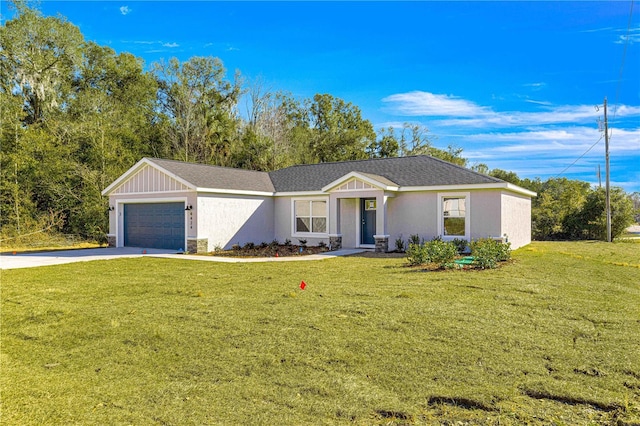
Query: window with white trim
{"x":310,"y":217}
{"x":454,"y":215}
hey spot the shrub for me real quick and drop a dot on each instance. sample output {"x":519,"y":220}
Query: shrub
{"x":274,"y":244}
{"x":322,"y":244}
{"x":249,"y":246}
{"x":416,"y":255}
{"x":488,"y":252}
{"x":461,"y":244}
{"x":414,"y":239}
{"x":440,"y":252}
{"x":400,"y":244}
{"x":287,"y":242}
{"x":303,"y":243}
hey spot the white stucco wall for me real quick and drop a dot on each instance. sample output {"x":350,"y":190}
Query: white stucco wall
{"x":485,"y":214}
{"x":226,"y":220}
{"x":411,"y":213}
{"x":516,"y":219}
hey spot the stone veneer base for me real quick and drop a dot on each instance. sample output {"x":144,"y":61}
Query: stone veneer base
{"x":335,"y":242}
{"x":382,"y":243}
{"x":200,"y":245}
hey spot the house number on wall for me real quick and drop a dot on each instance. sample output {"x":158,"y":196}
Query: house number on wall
{"x":190,"y":220}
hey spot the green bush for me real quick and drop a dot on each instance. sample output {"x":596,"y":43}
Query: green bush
{"x":487,"y":252}
{"x":441,"y":253}
{"x":461,"y":244}
{"x":416,"y":255}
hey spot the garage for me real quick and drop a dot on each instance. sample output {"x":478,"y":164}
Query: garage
{"x":154,"y":225}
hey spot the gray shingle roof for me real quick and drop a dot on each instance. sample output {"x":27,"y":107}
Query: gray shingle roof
{"x":205,"y":176}
{"x":404,"y":171}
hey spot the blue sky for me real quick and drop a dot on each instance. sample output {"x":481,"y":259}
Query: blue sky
{"x":515,"y":84}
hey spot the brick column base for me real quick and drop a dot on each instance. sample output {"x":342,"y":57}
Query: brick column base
{"x":382,"y":243}
{"x":111,"y":240}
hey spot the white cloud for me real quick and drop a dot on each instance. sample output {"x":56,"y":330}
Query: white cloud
{"x":633,"y":36}
{"x":463,"y":113}
{"x":430,"y":104}
{"x":125,"y":10}
{"x":170,"y":45}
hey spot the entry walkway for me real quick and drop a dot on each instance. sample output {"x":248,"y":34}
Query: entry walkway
{"x":35,"y":259}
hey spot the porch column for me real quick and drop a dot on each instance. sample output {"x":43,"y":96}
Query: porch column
{"x":381,"y":237}
{"x":334,"y":214}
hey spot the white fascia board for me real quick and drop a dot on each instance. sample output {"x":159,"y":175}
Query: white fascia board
{"x":136,"y":167}
{"x":481,"y":186}
{"x":299,"y":194}
{"x":235,"y":192}
{"x":362,"y":177}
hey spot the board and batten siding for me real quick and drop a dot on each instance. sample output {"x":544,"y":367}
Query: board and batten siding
{"x":150,"y":179}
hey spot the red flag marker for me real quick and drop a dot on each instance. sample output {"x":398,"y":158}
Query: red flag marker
{"x":302,"y":285}
{"x":277,"y":254}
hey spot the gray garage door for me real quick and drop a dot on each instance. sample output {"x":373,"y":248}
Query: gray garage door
{"x":154,"y":225}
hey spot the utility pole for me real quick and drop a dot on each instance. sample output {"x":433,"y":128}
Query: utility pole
{"x":606,"y":157}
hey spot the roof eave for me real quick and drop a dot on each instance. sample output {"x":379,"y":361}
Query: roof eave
{"x":465,"y":187}
{"x":235,"y":192}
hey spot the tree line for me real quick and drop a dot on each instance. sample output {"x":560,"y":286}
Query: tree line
{"x":76,"y":115}
{"x":567,"y":209}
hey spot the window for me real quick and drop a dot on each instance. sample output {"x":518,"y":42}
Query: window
{"x":311,"y":216}
{"x":454,"y":221}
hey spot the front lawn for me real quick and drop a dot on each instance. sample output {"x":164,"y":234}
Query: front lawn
{"x":551,"y":337}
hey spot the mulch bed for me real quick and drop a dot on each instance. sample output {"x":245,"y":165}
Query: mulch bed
{"x":271,"y":251}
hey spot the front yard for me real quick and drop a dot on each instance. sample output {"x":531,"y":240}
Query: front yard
{"x":551,"y":337}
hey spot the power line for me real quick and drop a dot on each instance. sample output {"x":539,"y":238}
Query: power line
{"x":579,"y":158}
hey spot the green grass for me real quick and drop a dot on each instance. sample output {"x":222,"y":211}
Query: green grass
{"x":550,"y":338}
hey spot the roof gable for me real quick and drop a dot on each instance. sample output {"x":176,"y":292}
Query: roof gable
{"x":150,"y":179}
{"x":145,"y":177}
{"x":358,"y":181}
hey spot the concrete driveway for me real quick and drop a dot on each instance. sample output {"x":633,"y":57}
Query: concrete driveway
{"x":32,"y":260}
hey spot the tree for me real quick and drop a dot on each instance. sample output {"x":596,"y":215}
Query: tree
{"x":338,"y":131}
{"x":386,"y":146}
{"x":506,"y":176}
{"x":39,"y":57}
{"x":558,"y":199}
{"x":590,"y":222}
{"x":199,"y":108}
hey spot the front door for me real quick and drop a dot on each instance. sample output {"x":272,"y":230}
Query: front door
{"x":368,"y":220}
